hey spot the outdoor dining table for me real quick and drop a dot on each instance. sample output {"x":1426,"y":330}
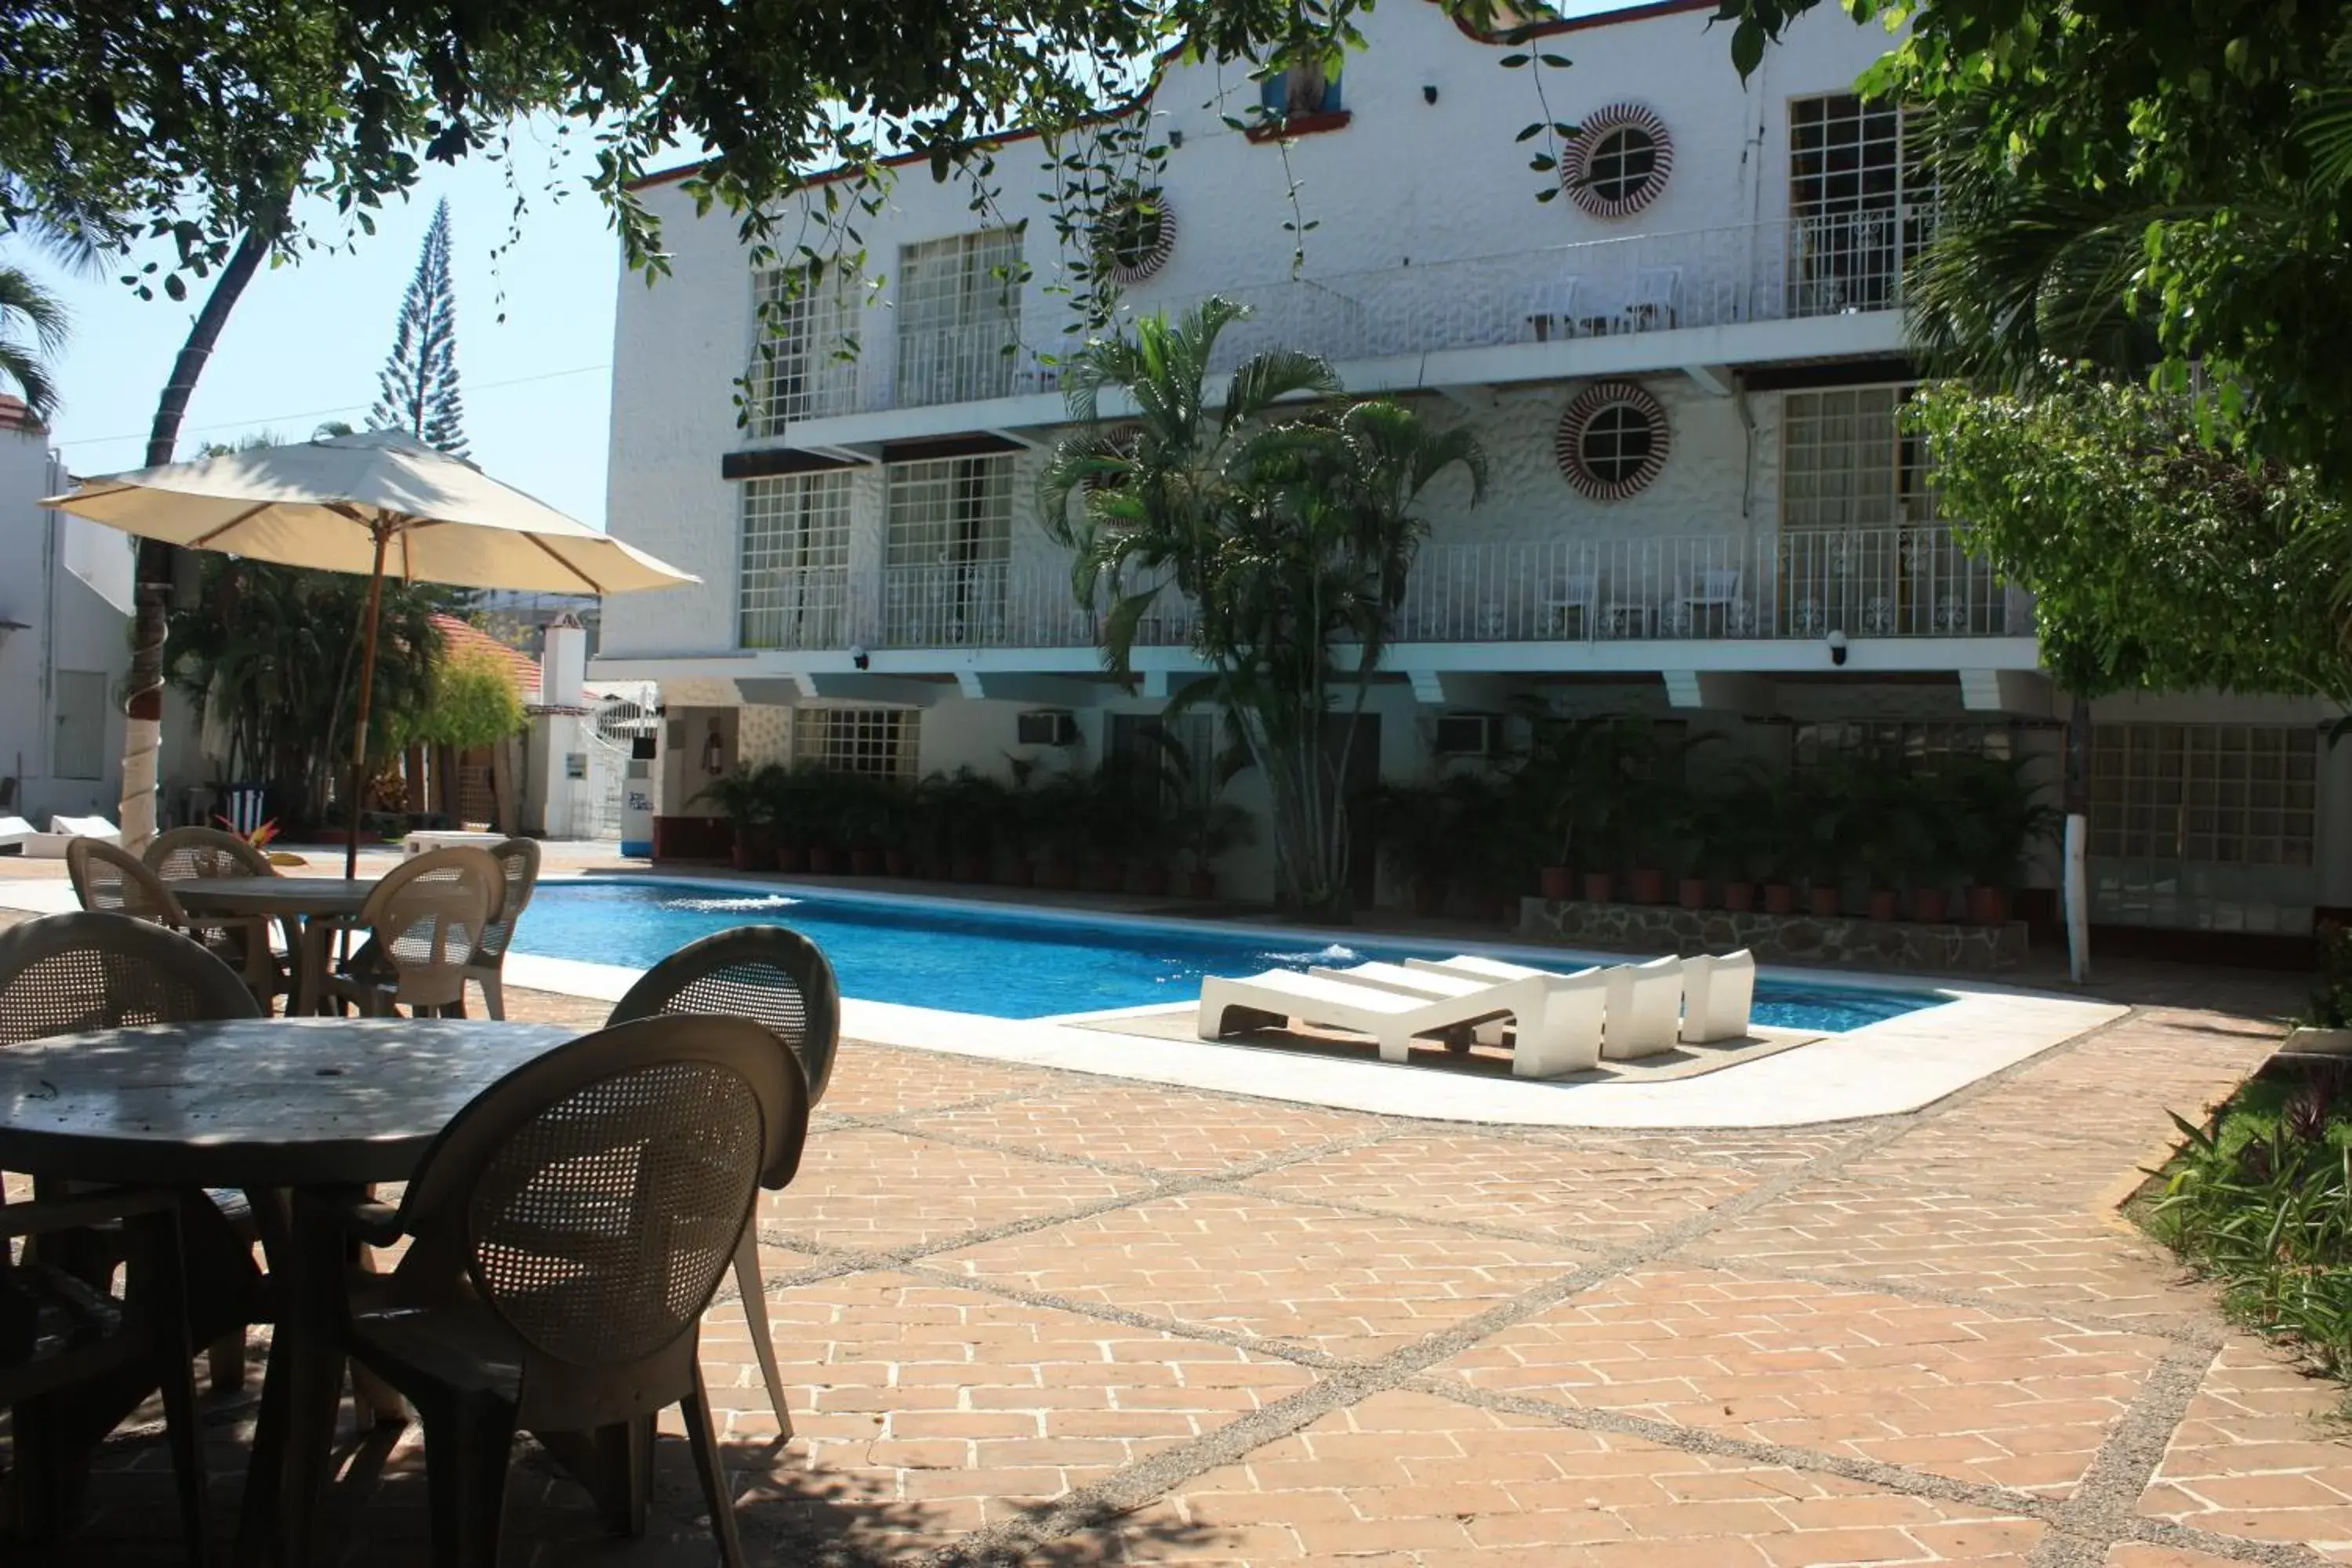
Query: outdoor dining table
{"x":269,"y":1106}
{"x":307,"y":907}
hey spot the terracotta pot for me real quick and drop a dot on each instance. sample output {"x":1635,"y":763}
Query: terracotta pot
{"x":1988,"y":906}
{"x":1200,"y":884}
{"x":1692,"y":893}
{"x":969,"y":865}
{"x":740,"y":854}
{"x":1825,"y":903}
{"x":1600,"y":888}
{"x":1883,"y":904}
{"x":1556,"y":883}
{"x":792,"y":857}
{"x":1780,"y":899}
{"x":1927,"y":905}
{"x":896,"y":862}
{"x":1739,"y":898}
{"x":865,"y":862}
{"x":1152,"y":882}
{"x":822,"y":860}
{"x":1646,"y":885}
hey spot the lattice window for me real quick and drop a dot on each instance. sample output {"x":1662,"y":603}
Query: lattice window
{"x":1846,"y":462}
{"x":950,"y":511}
{"x":879,"y":742}
{"x":803,"y":346}
{"x":2225,"y":794}
{"x":794,"y":563}
{"x":1861,"y":202}
{"x":1911,"y":741}
{"x":958,"y":317}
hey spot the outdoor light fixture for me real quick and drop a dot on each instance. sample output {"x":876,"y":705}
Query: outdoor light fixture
{"x":1837,"y":646}
{"x":858,"y":656}
{"x":1175,"y":139}
{"x":1429,"y":92}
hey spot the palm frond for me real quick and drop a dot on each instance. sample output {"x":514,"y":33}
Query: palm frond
{"x":1264,"y":379}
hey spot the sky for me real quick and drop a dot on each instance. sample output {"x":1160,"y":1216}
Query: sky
{"x":305,"y":341}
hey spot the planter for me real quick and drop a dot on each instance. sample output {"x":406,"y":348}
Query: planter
{"x":738,"y":854}
{"x":1927,"y":905}
{"x":1017,"y":873}
{"x":823,"y":859}
{"x":1105,"y":875}
{"x":1152,"y":882}
{"x":1780,"y":899}
{"x":1200,"y":884}
{"x":896,"y":863}
{"x":1988,"y":906}
{"x":1883,"y":904}
{"x":1692,"y":894}
{"x":1826,"y":903}
{"x":1600,"y":888}
{"x":1428,"y":903}
{"x":865,"y":862}
{"x":1646,"y":885}
{"x":1057,"y":874}
{"x":792,"y":857}
{"x":1556,"y":882}
{"x":1739,"y":898}
{"x":971,"y":866}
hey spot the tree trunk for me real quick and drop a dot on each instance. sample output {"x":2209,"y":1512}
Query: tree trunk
{"x":2074,"y":881}
{"x":142,"y":733}
{"x":506,"y":785}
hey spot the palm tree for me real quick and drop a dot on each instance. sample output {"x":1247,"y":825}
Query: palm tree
{"x":24,"y":304}
{"x":1291,"y":538}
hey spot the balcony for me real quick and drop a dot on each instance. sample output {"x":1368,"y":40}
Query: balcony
{"x":1842,"y":264}
{"x":1867,"y":582}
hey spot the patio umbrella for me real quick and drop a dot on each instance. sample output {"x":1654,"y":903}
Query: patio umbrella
{"x":381,"y":503}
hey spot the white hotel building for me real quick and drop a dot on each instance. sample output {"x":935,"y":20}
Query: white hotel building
{"x":1685,"y":374}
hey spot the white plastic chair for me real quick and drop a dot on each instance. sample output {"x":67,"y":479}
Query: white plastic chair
{"x":1581,"y":593}
{"x":1567,"y":1039}
{"x":1715,"y":588}
{"x":1552,"y":314}
{"x":1391,"y":1017}
{"x":1646,"y":1009}
{"x":1718,"y":995}
{"x":1652,"y":306}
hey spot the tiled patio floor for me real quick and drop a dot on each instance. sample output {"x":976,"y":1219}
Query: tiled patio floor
{"x":1062,"y":1321}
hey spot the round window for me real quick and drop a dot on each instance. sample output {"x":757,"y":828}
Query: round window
{"x":1619,"y":161}
{"x":1135,"y":235}
{"x":1612,"y":441}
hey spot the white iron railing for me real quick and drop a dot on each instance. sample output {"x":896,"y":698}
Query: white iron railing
{"x":1913,"y":582}
{"x":806,"y":608}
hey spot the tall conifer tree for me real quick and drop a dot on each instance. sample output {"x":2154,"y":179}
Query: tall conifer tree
{"x":418,"y":389}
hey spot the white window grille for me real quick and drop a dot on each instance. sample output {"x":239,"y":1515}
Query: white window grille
{"x":2222,"y":795}
{"x":958,"y":317}
{"x":947,"y":551}
{"x":794,"y":564}
{"x":878,"y":742}
{"x":803,"y":346}
{"x":1908,"y":740}
{"x":1846,"y":462}
{"x":1860,"y":202}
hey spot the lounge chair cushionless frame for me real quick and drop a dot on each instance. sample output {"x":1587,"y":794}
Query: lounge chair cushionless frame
{"x":1568,"y":1039}
{"x":1391,"y":1017}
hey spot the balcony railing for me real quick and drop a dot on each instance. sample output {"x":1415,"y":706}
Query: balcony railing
{"x":1826,"y":265}
{"x":1909,"y":581}
{"x":803,"y":608}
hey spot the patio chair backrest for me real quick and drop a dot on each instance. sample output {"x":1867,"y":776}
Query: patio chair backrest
{"x":1656,"y":285}
{"x":518,"y":861}
{"x":112,"y":881}
{"x":1717,"y":586}
{"x":427,"y":917}
{"x":64,"y":974}
{"x":594,"y":1197}
{"x":190,"y":854}
{"x":776,"y":977}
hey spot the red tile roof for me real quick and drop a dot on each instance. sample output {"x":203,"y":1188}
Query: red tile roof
{"x":466,"y":637}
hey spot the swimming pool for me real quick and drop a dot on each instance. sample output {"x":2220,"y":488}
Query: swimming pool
{"x":1010,"y":965}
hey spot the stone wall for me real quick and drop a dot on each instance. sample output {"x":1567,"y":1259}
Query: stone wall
{"x":1780,"y":939}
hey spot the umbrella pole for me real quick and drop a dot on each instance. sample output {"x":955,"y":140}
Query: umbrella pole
{"x":367,"y":690}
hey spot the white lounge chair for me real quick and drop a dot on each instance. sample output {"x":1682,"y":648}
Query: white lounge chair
{"x":1391,"y":1017}
{"x":1718,"y":994}
{"x":1646,"y":1009}
{"x":64,"y":831}
{"x":15,"y":834}
{"x":1567,"y":1040}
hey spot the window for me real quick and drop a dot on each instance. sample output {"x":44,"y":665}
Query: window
{"x":81,"y":749}
{"x":1845,"y":462}
{"x":878,"y":742}
{"x":2227,"y":794}
{"x":958,"y":317}
{"x":794,"y":564}
{"x":1616,"y":443}
{"x":1912,"y":742}
{"x":804,"y":339}
{"x":1622,"y":162}
{"x":1180,"y":753}
{"x":1617,"y":161}
{"x":1612,"y":441}
{"x":1294,"y":94}
{"x":1860,"y":202}
{"x":947,"y":550}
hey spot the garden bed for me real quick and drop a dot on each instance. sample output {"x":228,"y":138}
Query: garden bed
{"x":1911,"y":945}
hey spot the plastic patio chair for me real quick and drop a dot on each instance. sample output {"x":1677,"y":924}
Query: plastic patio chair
{"x":192,"y":854}
{"x":424,"y":920}
{"x":109,"y":879}
{"x":518,"y":858}
{"x":67,"y":975}
{"x":566,"y":1233}
{"x":779,"y":979}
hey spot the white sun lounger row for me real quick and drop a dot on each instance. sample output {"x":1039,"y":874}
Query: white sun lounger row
{"x":1561,"y":1023}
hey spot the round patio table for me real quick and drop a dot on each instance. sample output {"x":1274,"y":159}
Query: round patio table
{"x":304,"y":907}
{"x":267,"y":1105}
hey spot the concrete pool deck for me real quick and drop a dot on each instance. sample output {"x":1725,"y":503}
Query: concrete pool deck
{"x":1884,"y":1068}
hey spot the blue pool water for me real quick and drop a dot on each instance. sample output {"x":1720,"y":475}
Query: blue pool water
{"x":1011,"y":965}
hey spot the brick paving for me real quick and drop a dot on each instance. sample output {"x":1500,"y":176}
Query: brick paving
{"x":1040,"y":1318}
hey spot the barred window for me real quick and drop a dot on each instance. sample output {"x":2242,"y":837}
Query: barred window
{"x":950,"y":511}
{"x":2226,"y":794}
{"x":793,"y":574}
{"x":879,"y":742}
{"x":803,"y":346}
{"x":1862,"y":202}
{"x":958,"y":317}
{"x":1902,"y":739}
{"x":1845,"y":461}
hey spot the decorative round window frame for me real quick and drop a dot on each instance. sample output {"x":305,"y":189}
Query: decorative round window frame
{"x":1576,"y":160}
{"x":1151,"y":257}
{"x":1567,"y":445}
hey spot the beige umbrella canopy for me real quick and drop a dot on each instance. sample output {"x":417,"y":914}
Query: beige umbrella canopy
{"x":380,"y":502}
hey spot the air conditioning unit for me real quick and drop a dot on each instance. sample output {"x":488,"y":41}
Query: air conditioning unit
{"x":1469,"y":734}
{"x":1049,"y":727}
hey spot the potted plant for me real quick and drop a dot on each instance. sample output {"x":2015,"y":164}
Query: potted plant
{"x":794,"y":797}
{"x":742,"y":797}
{"x":1734,"y":829}
{"x":1059,"y":829}
{"x":1204,"y":832}
{"x":1821,"y":804}
{"x":1998,"y":809}
{"x":1410,"y":825}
